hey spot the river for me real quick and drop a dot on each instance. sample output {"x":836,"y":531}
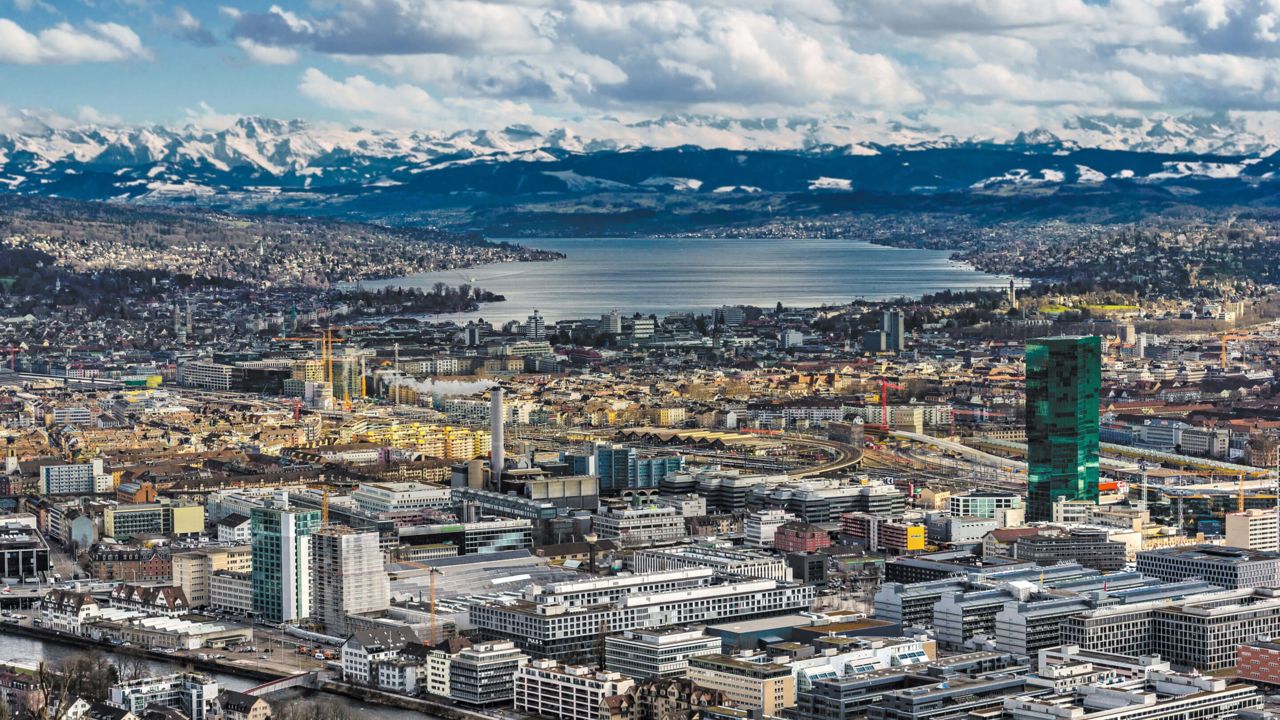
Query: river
{"x":27,"y":649}
{"x":664,"y":275}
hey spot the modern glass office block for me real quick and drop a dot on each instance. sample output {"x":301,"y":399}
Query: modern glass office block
{"x":1063,"y":379}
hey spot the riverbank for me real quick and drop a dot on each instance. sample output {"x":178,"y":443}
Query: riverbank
{"x":209,"y":664}
{"x":440,"y":708}
{"x":432,"y":708}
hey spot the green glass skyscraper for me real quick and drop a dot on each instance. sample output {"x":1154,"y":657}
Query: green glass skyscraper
{"x":281,"y":578}
{"x":1064,"y":375}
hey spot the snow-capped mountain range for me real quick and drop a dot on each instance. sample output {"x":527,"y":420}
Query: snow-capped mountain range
{"x":265,"y":163}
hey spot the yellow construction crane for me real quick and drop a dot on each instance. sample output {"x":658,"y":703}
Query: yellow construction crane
{"x":324,"y":508}
{"x":431,"y":585}
{"x":326,"y":349}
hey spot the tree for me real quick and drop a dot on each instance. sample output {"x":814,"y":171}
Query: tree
{"x":312,"y":710}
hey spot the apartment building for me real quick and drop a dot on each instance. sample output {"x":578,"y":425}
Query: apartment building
{"x":567,"y":692}
{"x":193,"y":570}
{"x":769,"y":687}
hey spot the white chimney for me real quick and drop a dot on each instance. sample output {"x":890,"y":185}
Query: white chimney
{"x":497,"y":457}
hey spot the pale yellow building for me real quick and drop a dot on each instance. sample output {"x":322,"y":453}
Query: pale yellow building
{"x":193,"y":570}
{"x":767,"y":686}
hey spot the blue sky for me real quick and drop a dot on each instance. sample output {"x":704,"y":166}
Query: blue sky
{"x":964,"y":66}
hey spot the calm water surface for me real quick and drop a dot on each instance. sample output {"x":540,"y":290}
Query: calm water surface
{"x":663,"y":275}
{"x":26,"y":649}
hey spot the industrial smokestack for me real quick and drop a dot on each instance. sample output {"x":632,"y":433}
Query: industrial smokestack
{"x":496,"y":455}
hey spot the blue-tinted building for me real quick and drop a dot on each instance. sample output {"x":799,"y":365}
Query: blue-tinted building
{"x":282,"y":560}
{"x":622,"y":469}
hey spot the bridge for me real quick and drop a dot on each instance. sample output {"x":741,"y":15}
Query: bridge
{"x":307,"y":680}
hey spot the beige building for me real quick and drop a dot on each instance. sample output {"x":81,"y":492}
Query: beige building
{"x":767,"y":686}
{"x":1254,"y":530}
{"x":193,"y":570}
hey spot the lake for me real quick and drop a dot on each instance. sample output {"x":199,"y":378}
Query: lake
{"x":664,"y":275}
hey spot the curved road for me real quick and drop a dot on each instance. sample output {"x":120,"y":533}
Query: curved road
{"x":978,"y":456}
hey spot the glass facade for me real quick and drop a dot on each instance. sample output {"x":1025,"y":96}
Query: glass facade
{"x":1063,"y":379}
{"x":281,"y":562}
{"x":622,"y":468}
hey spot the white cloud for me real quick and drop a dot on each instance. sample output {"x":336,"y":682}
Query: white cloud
{"x":267,"y":54}
{"x":205,"y":116}
{"x":357,"y":94}
{"x":66,"y":44}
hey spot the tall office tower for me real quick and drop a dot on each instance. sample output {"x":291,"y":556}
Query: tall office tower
{"x":281,"y":579}
{"x":894,"y":326}
{"x":347,"y":577}
{"x":612,"y":322}
{"x":1063,"y":379}
{"x":497,"y":441}
{"x":535,"y":328}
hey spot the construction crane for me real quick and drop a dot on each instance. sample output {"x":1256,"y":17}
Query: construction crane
{"x":326,"y":349}
{"x":885,"y":386}
{"x":324,"y":508}
{"x":431,"y":588}
{"x":1227,"y":337}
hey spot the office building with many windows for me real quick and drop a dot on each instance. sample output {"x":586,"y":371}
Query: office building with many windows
{"x":282,"y":560}
{"x":1064,"y":375}
{"x":658,"y":653}
{"x":626,"y":471}
{"x":1225,"y":567}
{"x":564,"y":620}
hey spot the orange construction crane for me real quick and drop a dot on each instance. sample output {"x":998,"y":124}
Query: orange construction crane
{"x":1227,"y":337}
{"x":885,"y":386}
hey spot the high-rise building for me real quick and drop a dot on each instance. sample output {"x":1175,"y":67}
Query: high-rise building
{"x":611,"y":323}
{"x":894,"y":326}
{"x":282,"y":560}
{"x":347,"y":577}
{"x":1063,"y":379}
{"x":535,"y":328}
{"x":1254,"y":529}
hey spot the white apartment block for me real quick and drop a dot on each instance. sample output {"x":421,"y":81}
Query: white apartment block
{"x":762,"y":525}
{"x":231,"y":591}
{"x":658,"y":653}
{"x":547,"y":688}
{"x":82,"y":479}
{"x":563,"y":620}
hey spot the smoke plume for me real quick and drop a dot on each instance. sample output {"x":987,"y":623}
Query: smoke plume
{"x":443,"y":388}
